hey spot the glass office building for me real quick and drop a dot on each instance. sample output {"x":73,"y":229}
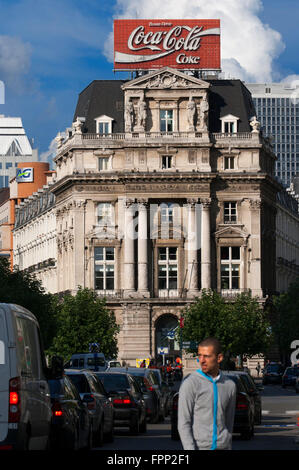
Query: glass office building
{"x":14,"y":148}
{"x":277,"y":109}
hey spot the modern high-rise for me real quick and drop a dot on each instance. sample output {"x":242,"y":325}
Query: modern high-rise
{"x":14,"y":148}
{"x":277,"y":109}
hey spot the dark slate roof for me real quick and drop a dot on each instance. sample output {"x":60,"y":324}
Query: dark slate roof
{"x":102,"y":97}
{"x":105,"y":97}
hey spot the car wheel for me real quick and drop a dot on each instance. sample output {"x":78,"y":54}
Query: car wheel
{"x":134,"y":425}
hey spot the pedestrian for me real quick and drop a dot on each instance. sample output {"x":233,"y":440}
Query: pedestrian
{"x":258,"y":368}
{"x":207,"y":400}
{"x":143,"y":364}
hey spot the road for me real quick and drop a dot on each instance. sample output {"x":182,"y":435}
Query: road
{"x":278,"y":430}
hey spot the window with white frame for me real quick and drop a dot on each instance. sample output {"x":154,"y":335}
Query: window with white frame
{"x":167,"y":162}
{"x":104,"y":261}
{"x":104,"y":163}
{"x":229,"y":163}
{"x":168,"y":268}
{"x":104,"y":213}
{"x":166,"y":209}
{"x":230,"y":212}
{"x":166,"y":120}
{"x":104,"y":125}
{"x":230,"y":267}
{"x":229,"y":124}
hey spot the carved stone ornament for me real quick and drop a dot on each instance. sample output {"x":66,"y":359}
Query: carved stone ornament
{"x":256,"y":204}
{"x":141,"y":113}
{"x":129,"y":116}
{"x":77,"y":125}
{"x":206,"y":202}
{"x":59,"y":140}
{"x":191,"y":112}
{"x":255,"y":124}
{"x":204,"y":111}
{"x":168,"y":80}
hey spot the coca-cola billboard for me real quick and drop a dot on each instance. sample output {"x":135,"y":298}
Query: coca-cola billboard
{"x":153,"y":44}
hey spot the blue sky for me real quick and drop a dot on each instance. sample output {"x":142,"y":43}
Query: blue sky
{"x":50,"y":50}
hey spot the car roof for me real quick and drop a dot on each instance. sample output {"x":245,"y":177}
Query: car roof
{"x":78,"y":371}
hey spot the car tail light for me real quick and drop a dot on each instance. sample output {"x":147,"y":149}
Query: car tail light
{"x":122,"y":401}
{"x":14,"y":400}
{"x":57,"y":410}
{"x":93,"y":404}
{"x":242,"y":403}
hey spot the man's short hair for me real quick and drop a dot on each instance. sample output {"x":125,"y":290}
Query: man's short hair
{"x":214,"y":342}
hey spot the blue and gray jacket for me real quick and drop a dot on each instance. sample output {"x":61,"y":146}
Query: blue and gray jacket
{"x":206,"y":412}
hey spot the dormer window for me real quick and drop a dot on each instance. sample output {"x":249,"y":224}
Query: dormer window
{"x":104,"y":125}
{"x":229,"y":124}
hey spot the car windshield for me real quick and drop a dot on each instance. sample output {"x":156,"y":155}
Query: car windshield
{"x":114,"y":382}
{"x":140,"y":380}
{"x":99,"y":361}
{"x":80,"y":382}
{"x":291,"y":371}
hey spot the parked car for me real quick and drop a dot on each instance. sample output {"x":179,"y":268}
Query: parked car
{"x":146,"y":380}
{"x":25,"y":405}
{"x":91,"y":390}
{"x":113,"y":363}
{"x":254,"y":393}
{"x":127,"y":399}
{"x":244,"y":415}
{"x":92,"y":361}
{"x":71,"y":425}
{"x":289,"y":376}
{"x":272,"y":373}
{"x":297,"y":384}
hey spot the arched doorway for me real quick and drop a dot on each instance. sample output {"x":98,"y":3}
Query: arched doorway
{"x":165,"y":332}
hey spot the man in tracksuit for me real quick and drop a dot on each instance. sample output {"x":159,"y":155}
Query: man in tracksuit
{"x":207,"y":402}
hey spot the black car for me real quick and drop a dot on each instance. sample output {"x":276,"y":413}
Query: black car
{"x":289,"y":376}
{"x":272,"y":373}
{"x":253,"y":392}
{"x":244,"y":415}
{"x":150,"y":395}
{"x":99,"y":405}
{"x":127,"y":399}
{"x":71,"y":426}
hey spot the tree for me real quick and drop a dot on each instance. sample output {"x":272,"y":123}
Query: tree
{"x":240,"y":325}
{"x":285,"y":319}
{"x":22,"y":288}
{"x":83,"y":319}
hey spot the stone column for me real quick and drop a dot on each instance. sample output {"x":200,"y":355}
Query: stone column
{"x":142,"y":248}
{"x":205,"y":244}
{"x":192,"y":247}
{"x":129,"y":259}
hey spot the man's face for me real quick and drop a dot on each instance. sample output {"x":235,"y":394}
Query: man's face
{"x":208,"y":360}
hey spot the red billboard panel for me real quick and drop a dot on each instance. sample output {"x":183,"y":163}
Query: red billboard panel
{"x":153,"y":44}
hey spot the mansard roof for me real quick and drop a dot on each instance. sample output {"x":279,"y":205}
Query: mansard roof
{"x":107,"y":97}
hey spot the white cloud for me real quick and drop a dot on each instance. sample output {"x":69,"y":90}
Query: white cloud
{"x":49,"y":154}
{"x":15,"y":60}
{"x":248,"y":46}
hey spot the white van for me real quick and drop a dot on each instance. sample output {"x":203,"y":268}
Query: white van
{"x":25,"y":405}
{"x":87,"y":361}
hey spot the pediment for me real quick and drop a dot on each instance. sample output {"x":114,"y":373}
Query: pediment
{"x":231,"y":232}
{"x":166,"y":78}
{"x":102,"y":232}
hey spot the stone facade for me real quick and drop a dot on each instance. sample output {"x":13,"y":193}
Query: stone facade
{"x":150,"y":216}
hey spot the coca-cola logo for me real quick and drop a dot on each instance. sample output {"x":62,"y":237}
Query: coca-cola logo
{"x":164,"y":39}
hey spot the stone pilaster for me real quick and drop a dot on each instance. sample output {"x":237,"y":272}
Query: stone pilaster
{"x":205,"y":244}
{"x":192,"y":247}
{"x":142,"y":248}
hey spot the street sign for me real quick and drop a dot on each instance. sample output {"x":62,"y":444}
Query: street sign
{"x":94,"y":347}
{"x":189,"y":344}
{"x":163,"y":351}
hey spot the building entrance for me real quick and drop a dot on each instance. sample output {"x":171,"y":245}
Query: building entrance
{"x":166,"y":327}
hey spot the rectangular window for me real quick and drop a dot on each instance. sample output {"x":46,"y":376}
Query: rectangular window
{"x":103,"y":163}
{"x":166,"y":120}
{"x":104,"y":213}
{"x":229,"y":127}
{"x":166,"y":213}
{"x":230,"y":267}
{"x":103,"y":127}
{"x":168,"y":268}
{"x":166,"y":162}
{"x":229,"y":163}
{"x":104,"y":268}
{"x":230,"y":212}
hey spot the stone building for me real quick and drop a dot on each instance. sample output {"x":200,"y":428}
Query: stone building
{"x":164,"y":187}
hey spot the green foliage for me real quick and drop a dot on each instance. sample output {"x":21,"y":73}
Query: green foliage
{"x":285,"y":317}
{"x":84,"y":319}
{"x":241,"y":326}
{"x":21,"y":288}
